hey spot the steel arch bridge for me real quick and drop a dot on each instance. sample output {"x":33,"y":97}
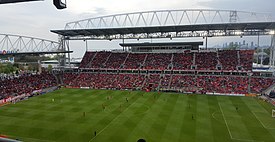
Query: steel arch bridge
{"x":169,"y":18}
{"x":16,"y":44}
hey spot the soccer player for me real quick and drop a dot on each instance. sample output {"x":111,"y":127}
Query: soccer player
{"x":95,"y":133}
{"x":103,"y":106}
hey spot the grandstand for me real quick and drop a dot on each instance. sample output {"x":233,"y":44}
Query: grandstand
{"x":221,"y":71}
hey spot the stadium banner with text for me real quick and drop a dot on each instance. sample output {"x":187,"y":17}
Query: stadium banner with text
{"x":85,"y":87}
{"x":19,"y":97}
{"x":251,"y":95}
{"x":225,"y":94}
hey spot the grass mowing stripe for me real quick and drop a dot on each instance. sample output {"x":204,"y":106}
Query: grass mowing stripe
{"x":172,"y":130}
{"x":128,"y":121}
{"x":238,"y":125}
{"x":158,"y":127}
{"x":188,"y":127}
{"x":142,"y":130}
{"x":116,"y":117}
{"x":262,"y":131}
{"x":219,"y":128}
{"x":203,"y":120}
{"x":62,"y":120}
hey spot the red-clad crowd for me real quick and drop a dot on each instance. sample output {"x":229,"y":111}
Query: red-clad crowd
{"x":225,"y":59}
{"x":151,"y":75}
{"x":157,"y":61}
{"x":182,"y":61}
{"x":229,"y":59}
{"x":26,"y":83}
{"x":185,"y":83}
{"x":165,"y":82}
{"x":99,"y":60}
{"x":134,"y":61}
{"x":87,"y":59}
{"x":116,"y":60}
{"x":244,"y":56}
{"x":206,"y":60}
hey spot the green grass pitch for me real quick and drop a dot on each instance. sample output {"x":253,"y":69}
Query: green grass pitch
{"x":74,"y":115}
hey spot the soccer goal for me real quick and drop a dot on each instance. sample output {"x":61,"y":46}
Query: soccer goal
{"x":273,"y":113}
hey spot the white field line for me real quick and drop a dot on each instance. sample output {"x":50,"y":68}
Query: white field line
{"x":261,"y":121}
{"x":229,"y":129}
{"x":213,"y":115}
{"x":225,"y":122}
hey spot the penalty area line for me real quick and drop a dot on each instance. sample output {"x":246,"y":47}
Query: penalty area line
{"x":225,"y":122}
{"x":261,"y":121}
{"x":229,"y":129}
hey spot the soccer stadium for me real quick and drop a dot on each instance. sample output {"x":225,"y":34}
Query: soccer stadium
{"x":162,"y":91}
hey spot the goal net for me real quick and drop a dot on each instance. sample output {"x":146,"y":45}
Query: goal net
{"x":273,"y":113}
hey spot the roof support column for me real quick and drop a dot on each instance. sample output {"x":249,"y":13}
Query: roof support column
{"x":272,"y":51}
{"x":63,"y":45}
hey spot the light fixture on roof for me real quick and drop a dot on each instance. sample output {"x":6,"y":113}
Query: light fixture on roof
{"x":239,"y":33}
{"x":60,"y":4}
{"x":272,"y":32}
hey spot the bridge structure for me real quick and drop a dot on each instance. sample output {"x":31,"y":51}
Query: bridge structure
{"x":17,"y":45}
{"x":172,"y":24}
{"x":24,"y":45}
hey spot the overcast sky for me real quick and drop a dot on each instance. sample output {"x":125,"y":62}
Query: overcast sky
{"x":36,"y":19}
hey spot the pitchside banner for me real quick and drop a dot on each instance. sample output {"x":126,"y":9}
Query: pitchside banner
{"x":10,"y":99}
{"x":42,"y":91}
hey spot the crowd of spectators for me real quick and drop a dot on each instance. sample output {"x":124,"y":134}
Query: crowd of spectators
{"x":134,"y":61}
{"x":25,"y":83}
{"x":258,"y":84}
{"x":228,"y":59}
{"x":104,"y":81}
{"x":151,"y":82}
{"x":116,"y":60}
{"x":158,"y":61}
{"x":182,"y":61}
{"x":165,"y":82}
{"x":86,"y":59}
{"x":206,"y":60}
{"x":223,"y":84}
{"x":224,"y":59}
{"x":99,"y":60}
{"x":185,"y":83}
{"x":246,"y":59}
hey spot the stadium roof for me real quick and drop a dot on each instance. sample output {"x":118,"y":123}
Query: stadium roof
{"x":165,"y":29}
{"x":160,"y":44}
{"x":169,"y":24}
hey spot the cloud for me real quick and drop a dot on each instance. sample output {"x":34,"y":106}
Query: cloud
{"x":115,"y":6}
{"x":261,"y":6}
{"x":38,"y":18}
